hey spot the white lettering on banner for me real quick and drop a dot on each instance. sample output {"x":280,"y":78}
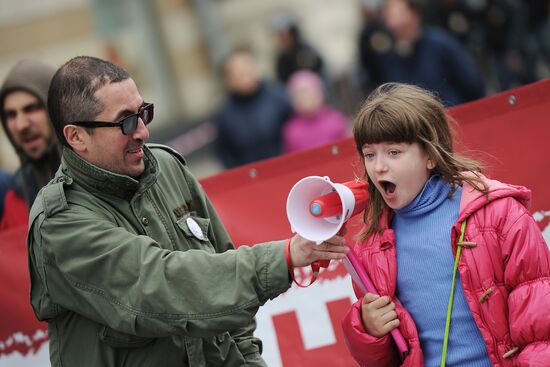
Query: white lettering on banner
{"x":543,"y":218}
{"x":309,"y":304}
{"x":16,"y":359}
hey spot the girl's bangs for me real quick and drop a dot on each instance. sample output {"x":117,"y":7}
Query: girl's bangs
{"x":379,"y":127}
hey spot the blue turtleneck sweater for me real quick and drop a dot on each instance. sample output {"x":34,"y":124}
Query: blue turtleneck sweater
{"x":424,"y":275}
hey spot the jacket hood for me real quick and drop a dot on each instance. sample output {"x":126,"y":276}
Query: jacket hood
{"x":473,"y":200}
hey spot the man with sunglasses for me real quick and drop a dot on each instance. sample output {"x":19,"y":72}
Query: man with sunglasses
{"x":27,"y":125}
{"x":130,"y":264}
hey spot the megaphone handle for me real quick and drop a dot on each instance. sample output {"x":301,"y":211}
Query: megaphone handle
{"x":317,"y":265}
{"x":360,"y":276}
{"x":343,"y":230}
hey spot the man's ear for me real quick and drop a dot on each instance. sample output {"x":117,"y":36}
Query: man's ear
{"x":431,"y":164}
{"x":75,"y":136}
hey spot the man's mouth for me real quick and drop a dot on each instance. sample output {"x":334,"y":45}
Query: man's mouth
{"x":387,"y":186}
{"x":28,"y":138}
{"x":135,"y":150}
{"x":31,"y":141}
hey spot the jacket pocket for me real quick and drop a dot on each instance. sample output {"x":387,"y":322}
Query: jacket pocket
{"x":195,"y":229}
{"x":117,"y":339}
{"x":222,"y":350}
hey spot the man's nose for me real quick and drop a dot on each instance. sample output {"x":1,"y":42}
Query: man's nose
{"x":142,"y":131}
{"x":22,"y":121}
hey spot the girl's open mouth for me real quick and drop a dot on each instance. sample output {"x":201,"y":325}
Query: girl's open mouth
{"x":389,"y":187}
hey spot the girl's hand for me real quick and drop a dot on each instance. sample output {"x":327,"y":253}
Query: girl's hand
{"x":378,"y":315}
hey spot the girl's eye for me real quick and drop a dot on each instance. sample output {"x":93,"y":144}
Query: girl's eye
{"x":393,"y":152}
{"x":368,"y":155}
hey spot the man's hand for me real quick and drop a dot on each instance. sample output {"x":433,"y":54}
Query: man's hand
{"x":303,"y":252}
{"x":378,"y":314}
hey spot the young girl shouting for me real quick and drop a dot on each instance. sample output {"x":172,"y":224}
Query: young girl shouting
{"x":434,"y":223}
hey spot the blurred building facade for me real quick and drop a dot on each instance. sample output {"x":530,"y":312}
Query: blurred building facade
{"x":170,"y":47}
{"x":173,"y":49}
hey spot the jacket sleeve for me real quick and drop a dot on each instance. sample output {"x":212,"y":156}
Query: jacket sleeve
{"x":247,"y":343}
{"x":367,"y":350}
{"x":82,"y":262}
{"x":527,"y":275}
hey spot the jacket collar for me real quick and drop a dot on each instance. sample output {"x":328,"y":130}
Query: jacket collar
{"x":96,"y":179}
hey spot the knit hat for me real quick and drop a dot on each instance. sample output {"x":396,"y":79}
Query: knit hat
{"x":307,"y":77}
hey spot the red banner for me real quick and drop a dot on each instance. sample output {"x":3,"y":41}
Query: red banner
{"x":508,"y":131}
{"x":22,"y":337}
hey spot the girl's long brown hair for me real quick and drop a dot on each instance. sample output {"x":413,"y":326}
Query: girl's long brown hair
{"x":403,"y":113}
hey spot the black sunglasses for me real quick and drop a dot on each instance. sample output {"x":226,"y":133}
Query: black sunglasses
{"x":128,"y":124}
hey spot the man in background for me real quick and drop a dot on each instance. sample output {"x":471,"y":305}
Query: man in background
{"x":24,"y":116}
{"x":426,"y":56}
{"x":250,"y":120}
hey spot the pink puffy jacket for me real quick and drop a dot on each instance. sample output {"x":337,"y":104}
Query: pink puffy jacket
{"x":505,"y":277}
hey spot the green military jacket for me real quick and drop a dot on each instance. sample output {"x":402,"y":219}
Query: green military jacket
{"x":131,"y":272}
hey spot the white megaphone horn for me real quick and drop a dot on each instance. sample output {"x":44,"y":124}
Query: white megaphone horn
{"x":317,"y":208}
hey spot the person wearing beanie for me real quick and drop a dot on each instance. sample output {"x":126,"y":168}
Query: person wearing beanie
{"x":24,"y":117}
{"x":314,"y":121}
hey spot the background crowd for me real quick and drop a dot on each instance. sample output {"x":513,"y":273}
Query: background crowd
{"x":270,"y":82}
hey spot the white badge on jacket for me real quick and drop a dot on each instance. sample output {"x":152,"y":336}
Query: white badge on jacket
{"x":194,"y":228}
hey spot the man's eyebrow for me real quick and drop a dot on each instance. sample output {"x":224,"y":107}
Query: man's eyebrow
{"x":27,"y":106}
{"x":123,"y":114}
{"x":33,"y":104}
{"x":127,"y":112}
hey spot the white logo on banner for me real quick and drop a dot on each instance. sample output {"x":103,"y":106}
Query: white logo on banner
{"x":309,"y":304}
{"x":41,"y":357}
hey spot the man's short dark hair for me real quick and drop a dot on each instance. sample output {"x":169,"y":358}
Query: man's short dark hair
{"x":71,"y":94}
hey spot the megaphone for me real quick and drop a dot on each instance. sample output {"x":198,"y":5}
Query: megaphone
{"x":317,"y":208}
